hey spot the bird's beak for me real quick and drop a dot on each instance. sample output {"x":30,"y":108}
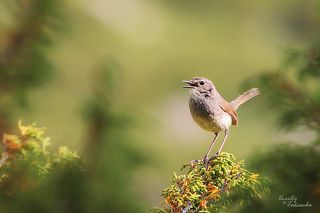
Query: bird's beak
{"x":190,"y":84}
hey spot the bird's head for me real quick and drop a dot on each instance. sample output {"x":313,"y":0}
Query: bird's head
{"x":200,"y":84}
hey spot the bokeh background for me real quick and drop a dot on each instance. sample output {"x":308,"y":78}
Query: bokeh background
{"x":104,"y":77}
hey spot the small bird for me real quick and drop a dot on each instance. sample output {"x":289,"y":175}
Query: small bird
{"x":211,"y":111}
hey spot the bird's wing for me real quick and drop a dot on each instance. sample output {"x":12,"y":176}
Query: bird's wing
{"x":225,"y":106}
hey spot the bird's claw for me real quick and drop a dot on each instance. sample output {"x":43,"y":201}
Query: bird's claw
{"x":195,"y":161}
{"x":206,"y":161}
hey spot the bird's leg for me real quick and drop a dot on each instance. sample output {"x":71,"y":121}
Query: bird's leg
{"x":226,"y":133}
{"x":205,"y":160}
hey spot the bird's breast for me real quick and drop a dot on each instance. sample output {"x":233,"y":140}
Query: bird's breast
{"x":208,"y":116}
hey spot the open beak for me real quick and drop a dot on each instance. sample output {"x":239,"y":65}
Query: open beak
{"x":190,"y":84}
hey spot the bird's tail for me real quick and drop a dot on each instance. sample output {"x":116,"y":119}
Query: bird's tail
{"x":244,"y":97}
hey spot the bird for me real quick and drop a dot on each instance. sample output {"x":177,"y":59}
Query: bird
{"x":211,"y":111}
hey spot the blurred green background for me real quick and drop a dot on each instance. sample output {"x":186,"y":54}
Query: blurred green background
{"x":59,"y":57}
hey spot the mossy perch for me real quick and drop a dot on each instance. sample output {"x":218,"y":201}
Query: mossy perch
{"x":210,"y":187}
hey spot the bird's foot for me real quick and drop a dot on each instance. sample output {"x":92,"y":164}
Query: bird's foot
{"x":216,"y":155}
{"x":206,"y":161}
{"x":195,"y":161}
{"x":213,"y":157}
{"x":192,"y":163}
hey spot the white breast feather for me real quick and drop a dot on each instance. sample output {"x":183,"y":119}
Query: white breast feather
{"x":224,"y":120}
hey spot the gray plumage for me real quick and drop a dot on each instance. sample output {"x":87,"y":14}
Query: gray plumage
{"x":210,"y":110}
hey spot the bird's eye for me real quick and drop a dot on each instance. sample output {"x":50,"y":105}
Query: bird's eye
{"x":201,"y":82}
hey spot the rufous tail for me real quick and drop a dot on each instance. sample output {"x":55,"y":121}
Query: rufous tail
{"x":244,"y":97}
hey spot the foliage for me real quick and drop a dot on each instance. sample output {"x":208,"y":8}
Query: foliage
{"x":294,"y":91}
{"x":110,"y":154}
{"x":212,"y":187}
{"x":111,"y":159}
{"x":29,"y":169}
{"x":24,"y":63}
{"x":293,"y":169}
{"x":34,"y":179}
